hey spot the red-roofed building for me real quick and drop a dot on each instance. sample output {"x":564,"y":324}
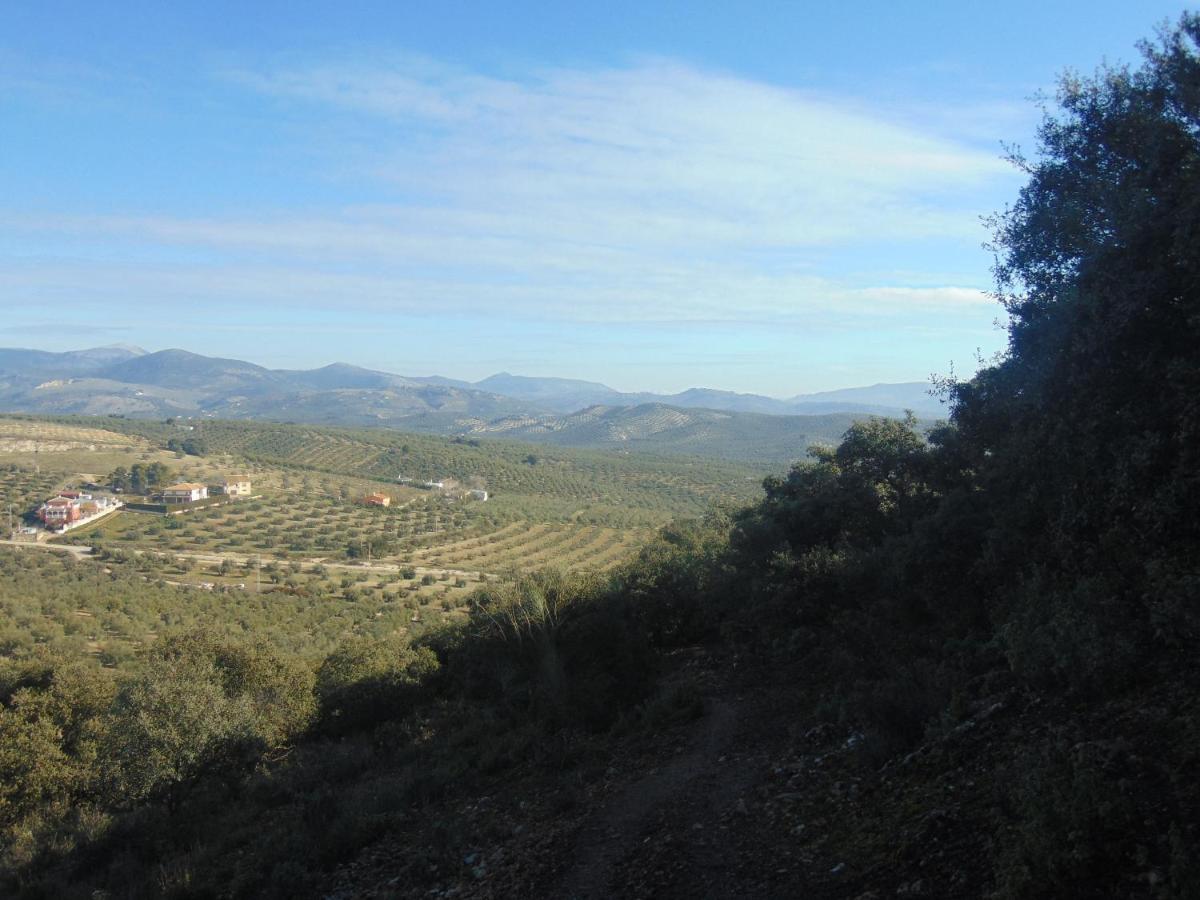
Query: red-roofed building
{"x":185,"y":492}
{"x":60,"y":511}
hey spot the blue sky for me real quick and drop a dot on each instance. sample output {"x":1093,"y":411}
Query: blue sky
{"x":767,"y":197}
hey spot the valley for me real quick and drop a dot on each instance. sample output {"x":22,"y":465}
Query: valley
{"x":305,"y":544}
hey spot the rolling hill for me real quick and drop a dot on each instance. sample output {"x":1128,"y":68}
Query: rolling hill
{"x":659,"y":428}
{"x":126,"y":381}
{"x":565,"y":395}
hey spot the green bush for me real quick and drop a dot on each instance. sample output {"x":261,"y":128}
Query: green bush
{"x":202,"y":706}
{"x":562,"y":645}
{"x":366,"y":682}
{"x":1074,"y":820}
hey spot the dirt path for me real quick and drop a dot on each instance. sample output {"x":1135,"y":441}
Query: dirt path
{"x":77,"y":550}
{"x":619,"y":828}
{"x":244,"y":558}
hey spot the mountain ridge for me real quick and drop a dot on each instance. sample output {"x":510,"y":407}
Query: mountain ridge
{"x":177,"y":368}
{"x":560,"y":411}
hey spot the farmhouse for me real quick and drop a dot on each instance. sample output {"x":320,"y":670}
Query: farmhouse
{"x":185,"y":492}
{"x":477,"y":494}
{"x":377,"y":500}
{"x":233,"y":486}
{"x":60,"y":511}
{"x":72,"y":507}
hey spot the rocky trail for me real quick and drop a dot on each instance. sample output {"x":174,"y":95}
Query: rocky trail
{"x":615,"y":831}
{"x":746,"y":798}
{"x":675,"y":812}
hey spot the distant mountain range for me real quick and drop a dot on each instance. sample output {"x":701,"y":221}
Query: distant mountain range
{"x":125,"y":380}
{"x":566,"y":395}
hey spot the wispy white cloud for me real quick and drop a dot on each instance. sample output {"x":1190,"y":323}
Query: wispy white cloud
{"x":925,"y":298}
{"x":654,"y":192}
{"x":696,"y":294}
{"x":659,"y":153}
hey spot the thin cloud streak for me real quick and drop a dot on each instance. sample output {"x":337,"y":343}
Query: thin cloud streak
{"x":655,"y":193}
{"x":653,"y":297}
{"x":661,"y":144}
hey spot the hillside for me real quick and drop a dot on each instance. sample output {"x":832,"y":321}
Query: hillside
{"x":657,"y":428}
{"x":574,"y":483}
{"x":175,"y":383}
{"x":564,"y":395}
{"x":559,"y":411}
{"x":20,"y":363}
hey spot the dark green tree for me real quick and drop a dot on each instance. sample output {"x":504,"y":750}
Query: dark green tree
{"x":1087,"y":433}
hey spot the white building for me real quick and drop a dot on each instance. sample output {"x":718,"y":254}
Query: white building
{"x":234,"y":486}
{"x":185,"y":492}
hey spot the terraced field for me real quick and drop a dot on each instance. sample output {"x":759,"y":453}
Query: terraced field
{"x":563,"y":508}
{"x":110,"y":608}
{"x":303,"y":563}
{"x":538,"y":482}
{"x":283,"y":522}
{"x":424,"y":530}
{"x":23,"y":490}
{"x":22,"y":435}
{"x":527,"y":547}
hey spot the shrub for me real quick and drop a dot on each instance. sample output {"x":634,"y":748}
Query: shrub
{"x":365,"y":682}
{"x":1073,"y":821}
{"x":202,"y":706}
{"x":562,"y":645}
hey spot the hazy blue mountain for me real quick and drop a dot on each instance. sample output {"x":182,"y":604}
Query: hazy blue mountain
{"x":180,"y":383}
{"x":427,"y":407}
{"x":570,"y":412}
{"x":342,"y":375}
{"x":445,"y":382}
{"x":564,"y":395}
{"x":558,"y":394}
{"x":659,"y":428}
{"x":181,"y":369}
{"x":708,"y":398}
{"x":24,"y":363}
{"x":912,"y":395}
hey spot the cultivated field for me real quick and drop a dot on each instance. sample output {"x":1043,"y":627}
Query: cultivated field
{"x":22,"y":489}
{"x":525,"y":479}
{"x":303,"y":563}
{"x":109,"y":608}
{"x":421,"y":528}
{"x":26,"y":436}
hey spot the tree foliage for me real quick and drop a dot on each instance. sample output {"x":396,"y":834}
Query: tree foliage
{"x":140,"y":478}
{"x":1086,"y":433}
{"x":365,"y":682}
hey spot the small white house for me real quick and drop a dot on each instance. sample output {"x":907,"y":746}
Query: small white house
{"x":185,"y":492}
{"x":234,"y":486}
{"x":477,"y":494}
